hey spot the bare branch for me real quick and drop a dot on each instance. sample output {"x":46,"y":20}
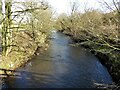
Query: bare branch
{"x":115,"y":4}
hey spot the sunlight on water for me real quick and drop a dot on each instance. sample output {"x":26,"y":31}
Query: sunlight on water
{"x":61,"y":65}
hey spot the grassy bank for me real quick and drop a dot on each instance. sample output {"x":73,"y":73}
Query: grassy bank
{"x":108,"y":57}
{"x":23,"y":31}
{"x":97,"y":31}
{"x":24,"y":47}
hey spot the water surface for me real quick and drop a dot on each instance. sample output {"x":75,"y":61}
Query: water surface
{"x":61,"y":66}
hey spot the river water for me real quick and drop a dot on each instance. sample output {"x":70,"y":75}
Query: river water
{"x":61,"y":66}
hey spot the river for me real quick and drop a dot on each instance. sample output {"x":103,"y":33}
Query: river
{"x":61,"y":66}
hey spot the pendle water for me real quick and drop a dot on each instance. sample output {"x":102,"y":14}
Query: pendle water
{"x":61,"y":66}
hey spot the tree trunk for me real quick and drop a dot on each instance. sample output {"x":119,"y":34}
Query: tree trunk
{"x":6,"y":33}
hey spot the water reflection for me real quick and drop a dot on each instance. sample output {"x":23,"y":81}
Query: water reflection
{"x":61,"y":65}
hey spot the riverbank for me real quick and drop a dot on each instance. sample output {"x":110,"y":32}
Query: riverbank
{"x":23,"y":49}
{"x":61,"y":66}
{"x":108,"y":57}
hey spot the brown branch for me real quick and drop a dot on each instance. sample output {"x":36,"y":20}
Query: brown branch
{"x":105,"y":44}
{"x":116,"y":6}
{"x":108,"y":6}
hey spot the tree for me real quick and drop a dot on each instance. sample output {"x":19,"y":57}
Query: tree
{"x":6,"y":33}
{"x":39,"y":20}
{"x":39,"y":16}
{"x":116,"y":8}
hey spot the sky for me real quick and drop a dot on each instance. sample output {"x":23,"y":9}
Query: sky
{"x":61,"y":6}
{"x":64,"y":6}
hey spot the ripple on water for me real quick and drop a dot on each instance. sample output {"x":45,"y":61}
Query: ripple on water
{"x":64,"y":66}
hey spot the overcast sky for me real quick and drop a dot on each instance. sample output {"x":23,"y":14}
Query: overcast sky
{"x":62,"y":6}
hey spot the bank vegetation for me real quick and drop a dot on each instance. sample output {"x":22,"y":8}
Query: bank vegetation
{"x":25,"y":27}
{"x":98,"y":31}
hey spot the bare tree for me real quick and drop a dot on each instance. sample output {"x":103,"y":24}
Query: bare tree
{"x":116,"y":8}
{"x":6,"y":10}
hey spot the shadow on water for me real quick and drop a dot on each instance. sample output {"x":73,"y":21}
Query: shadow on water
{"x":61,"y":66}
{"x":24,"y":77}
